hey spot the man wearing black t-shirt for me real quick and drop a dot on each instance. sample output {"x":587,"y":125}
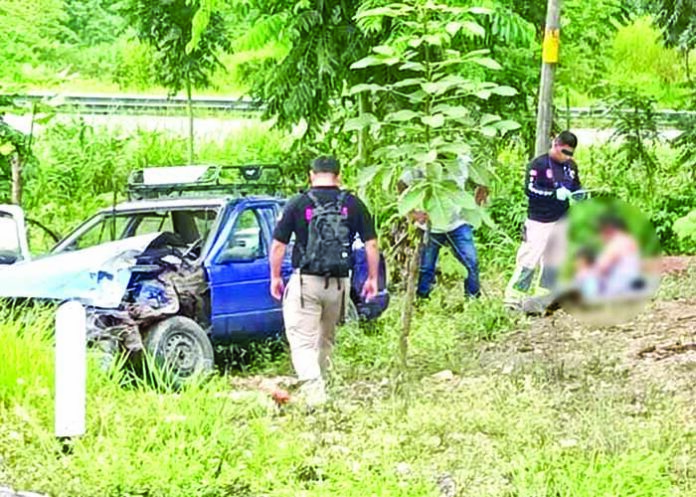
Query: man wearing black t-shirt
{"x":549,"y":183}
{"x":325,"y":221}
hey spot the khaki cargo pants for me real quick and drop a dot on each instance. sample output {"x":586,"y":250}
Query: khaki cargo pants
{"x":312,"y":308}
{"x":545,"y":245}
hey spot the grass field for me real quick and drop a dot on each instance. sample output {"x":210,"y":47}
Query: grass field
{"x":530,"y":408}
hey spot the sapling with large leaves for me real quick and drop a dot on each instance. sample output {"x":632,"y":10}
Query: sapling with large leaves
{"x":429,"y":116}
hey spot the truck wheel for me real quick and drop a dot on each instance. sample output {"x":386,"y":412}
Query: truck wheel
{"x":180,"y":348}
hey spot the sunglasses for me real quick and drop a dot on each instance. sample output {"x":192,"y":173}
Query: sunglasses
{"x":566,"y":152}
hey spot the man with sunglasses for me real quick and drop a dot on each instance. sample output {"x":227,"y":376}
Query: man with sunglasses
{"x":549,"y":183}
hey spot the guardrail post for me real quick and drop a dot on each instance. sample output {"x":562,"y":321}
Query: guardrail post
{"x":71,"y":370}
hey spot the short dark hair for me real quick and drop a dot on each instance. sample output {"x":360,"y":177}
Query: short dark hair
{"x":612,"y":220}
{"x":586,"y":253}
{"x":567,"y":138}
{"x":326,"y":164}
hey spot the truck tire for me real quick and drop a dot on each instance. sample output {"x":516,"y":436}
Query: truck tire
{"x":180,"y":349}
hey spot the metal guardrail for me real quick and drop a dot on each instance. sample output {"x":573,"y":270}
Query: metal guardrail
{"x":602,"y":114}
{"x":99,"y":104}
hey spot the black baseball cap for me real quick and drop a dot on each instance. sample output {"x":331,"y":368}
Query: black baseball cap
{"x":326,"y":164}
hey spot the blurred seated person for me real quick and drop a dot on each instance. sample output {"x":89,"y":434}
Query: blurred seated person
{"x":617,"y":268}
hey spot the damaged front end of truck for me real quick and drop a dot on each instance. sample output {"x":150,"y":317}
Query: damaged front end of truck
{"x":128,"y":288}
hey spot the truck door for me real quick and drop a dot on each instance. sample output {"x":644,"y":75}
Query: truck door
{"x":239,"y":270}
{"x":13,"y":235}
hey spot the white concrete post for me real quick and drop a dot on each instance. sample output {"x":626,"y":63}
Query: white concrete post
{"x":71,"y":370}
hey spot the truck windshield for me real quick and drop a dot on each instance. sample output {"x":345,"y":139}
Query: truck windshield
{"x":191,"y":225}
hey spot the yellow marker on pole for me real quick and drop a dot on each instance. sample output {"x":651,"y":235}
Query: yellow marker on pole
{"x":551,"y":46}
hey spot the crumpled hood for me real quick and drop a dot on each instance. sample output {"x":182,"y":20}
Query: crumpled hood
{"x":97,"y":276}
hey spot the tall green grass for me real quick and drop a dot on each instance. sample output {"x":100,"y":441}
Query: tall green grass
{"x":82,"y":168}
{"x":538,"y":428}
{"x":523,"y":434}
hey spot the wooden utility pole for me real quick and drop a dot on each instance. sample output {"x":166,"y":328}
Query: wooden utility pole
{"x":548,"y":73}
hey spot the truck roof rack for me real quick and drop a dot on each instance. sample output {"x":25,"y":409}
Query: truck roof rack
{"x":157,"y":182}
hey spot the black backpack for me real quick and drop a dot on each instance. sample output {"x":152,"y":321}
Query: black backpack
{"x":328,"y":251}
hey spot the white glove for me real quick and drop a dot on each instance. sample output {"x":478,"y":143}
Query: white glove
{"x":563,"y":194}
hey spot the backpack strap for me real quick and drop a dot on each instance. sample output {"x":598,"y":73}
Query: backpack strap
{"x":342,"y":196}
{"x":313,"y":197}
{"x":340,"y":200}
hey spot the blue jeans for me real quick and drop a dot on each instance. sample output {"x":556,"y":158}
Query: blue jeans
{"x":461,"y":242}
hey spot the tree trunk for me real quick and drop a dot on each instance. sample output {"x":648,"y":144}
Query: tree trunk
{"x":409,"y":299}
{"x":16,"y":162}
{"x":189,"y":101}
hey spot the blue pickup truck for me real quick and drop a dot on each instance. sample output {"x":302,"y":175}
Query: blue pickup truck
{"x":177,"y":270}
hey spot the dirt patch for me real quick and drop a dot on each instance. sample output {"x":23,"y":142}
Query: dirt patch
{"x":655,"y":351}
{"x":675,"y":265}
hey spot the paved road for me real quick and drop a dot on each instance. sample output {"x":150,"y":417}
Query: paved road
{"x":218,"y":129}
{"x":210,"y":129}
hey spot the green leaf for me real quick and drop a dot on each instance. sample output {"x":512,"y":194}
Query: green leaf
{"x":412,"y":199}
{"x":479,"y":174}
{"x":413,"y":66}
{"x":366,"y":175}
{"x":487,"y":119}
{"x":373,"y":60}
{"x":454,"y":148}
{"x":442,"y":86}
{"x":434,"y":170}
{"x":505,"y":91}
{"x":372,"y":88}
{"x":472,"y":217}
{"x":455,"y":112}
{"x":435,"y":40}
{"x":360,"y":122}
{"x":199,"y":23}
{"x":453,"y":27}
{"x":402,"y":115}
{"x":488,"y":131}
{"x":474,"y":28}
{"x":7,"y":148}
{"x":487,"y":219}
{"x":477,"y":53}
{"x":462,"y":198}
{"x":480,"y":11}
{"x":426,"y":158}
{"x":436,"y":121}
{"x":385,"y":50}
{"x":387,"y":179}
{"x":408,"y":82}
{"x":505,"y":126}
{"x":417,"y":96}
{"x":486,"y":62}
{"x":483,"y":94}
{"x":440,"y":205}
